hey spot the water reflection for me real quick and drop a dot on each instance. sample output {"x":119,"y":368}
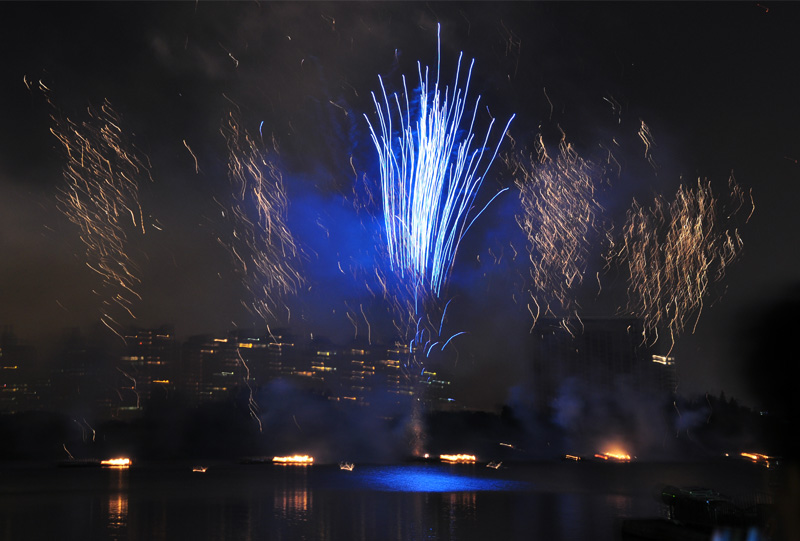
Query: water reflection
{"x":403,"y":502}
{"x":463,"y":502}
{"x":291,"y":500}
{"x":620,"y":504}
{"x":117,"y":509}
{"x":292,"y":503}
{"x":461,"y":506}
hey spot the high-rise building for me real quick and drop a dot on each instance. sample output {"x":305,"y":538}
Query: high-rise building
{"x":222,"y":371}
{"x":83,"y":380}
{"x":190,"y":368}
{"x":212,"y":367}
{"x":599,"y":351}
{"x":281,"y":356}
{"x":149,"y":362}
{"x":380,"y":371}
{"x":17,"y":374}
{"x":663,"y":373}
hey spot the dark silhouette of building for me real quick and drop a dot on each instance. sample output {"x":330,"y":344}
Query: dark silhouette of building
{"x":96,"y":376}
{"x":356,"y":373}
{"x":598,"y":351}
{"x":18,"y":389}
{"x":82,"y":382}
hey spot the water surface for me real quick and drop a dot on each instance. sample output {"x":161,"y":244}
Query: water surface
{"x":549,"y":501}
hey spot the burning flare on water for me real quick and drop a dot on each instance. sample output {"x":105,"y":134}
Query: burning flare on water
{"x":614,"y":454}
{"x":294,"y":460}
{"x":458,"y":459}
{"x":121,"y":462}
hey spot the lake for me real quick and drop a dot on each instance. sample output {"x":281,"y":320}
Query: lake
{"x":549,"y":501}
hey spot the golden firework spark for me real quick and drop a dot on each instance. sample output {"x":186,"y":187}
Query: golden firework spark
{"x":263,"y":249}
{"x":674,"y":251}
{"x":559,"y":217}
{"x":101,"y":197}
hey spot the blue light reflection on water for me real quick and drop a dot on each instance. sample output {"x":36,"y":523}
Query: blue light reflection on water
{"x":428,"y":479}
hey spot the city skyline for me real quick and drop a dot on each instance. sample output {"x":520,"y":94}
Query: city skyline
{"x":583,"y":393}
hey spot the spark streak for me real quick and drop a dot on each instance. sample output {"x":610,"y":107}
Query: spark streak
{"x":430,"y":176}
{"x":674,"y":251}
{"x":101,"y":197}
{"x":431,"y":169}
{"x":262,"y":247}
{"x":559,"y":216}
{"x":649,"y":143}
{"x":251,"y":402}
{"x":196,"y":163}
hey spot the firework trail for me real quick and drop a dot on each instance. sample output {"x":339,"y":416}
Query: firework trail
{"x":431,"y":171}
{"x":649,"y":143}
{"x":101,"y":197}
{"x":132,"y":388}
{"x":263,"y":249}
{"x":674,"y":251}
{"x":559,"y":216}
{"x":430,"y":175}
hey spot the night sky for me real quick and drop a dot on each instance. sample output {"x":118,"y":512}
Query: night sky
{"x":716,"y":83}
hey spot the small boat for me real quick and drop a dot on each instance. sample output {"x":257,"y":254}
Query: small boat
{"x":346,"y":466}
{"x":494,"y":465}
{"x":200,"y":469}
{"x":255,"y":460}
{"x":696,"y":514}
{"x":80,"y":463}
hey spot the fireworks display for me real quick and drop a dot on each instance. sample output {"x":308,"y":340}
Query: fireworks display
{"x":674,"y":251}
{"x":101,"y":197}
{"x":559,"y":216}
{"x":431,"y":169}
{"x":430,"y":175}
{"x":258,"y":124}
{"x":398,"y":252}
{"x":263,"y":249}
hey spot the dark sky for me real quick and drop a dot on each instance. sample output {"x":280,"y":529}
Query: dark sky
{"x":717,"y":84}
